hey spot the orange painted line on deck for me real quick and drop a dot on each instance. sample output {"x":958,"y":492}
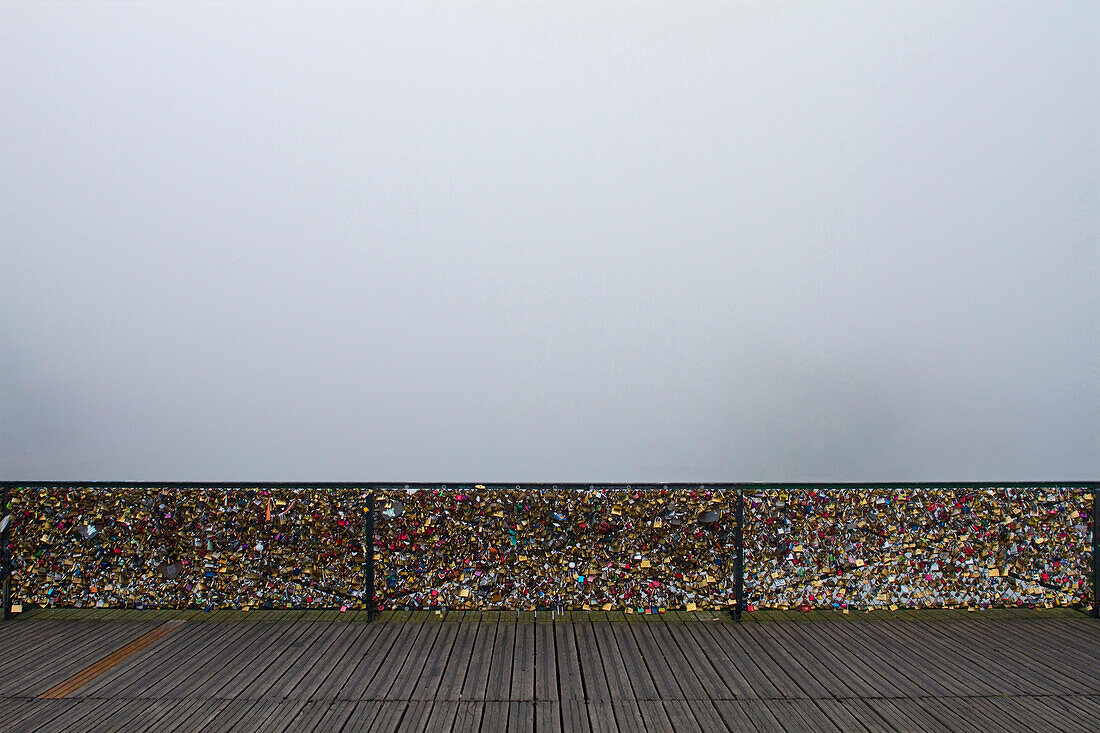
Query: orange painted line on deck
{"x":86,"y":675}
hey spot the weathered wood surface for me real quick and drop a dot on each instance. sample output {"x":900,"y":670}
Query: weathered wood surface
{"x":304,"y":671}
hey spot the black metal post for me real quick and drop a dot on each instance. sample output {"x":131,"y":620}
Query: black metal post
{"x":5,"y":555}
{"x":368,"y":568}
{"x":1095,"y":552}
{"x":739,"y":560}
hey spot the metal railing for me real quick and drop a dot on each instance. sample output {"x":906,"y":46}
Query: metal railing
{"x":632,"y":548}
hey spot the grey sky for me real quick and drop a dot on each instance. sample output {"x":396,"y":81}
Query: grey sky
{"x":550,"y":241}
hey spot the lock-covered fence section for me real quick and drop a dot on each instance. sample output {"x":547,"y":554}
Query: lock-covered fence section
{"x":634,"y":549}
{"x":176,"y":547}
{"x":927,"y":547}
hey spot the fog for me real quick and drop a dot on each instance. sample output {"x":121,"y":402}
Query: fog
{"x":561,"y":241}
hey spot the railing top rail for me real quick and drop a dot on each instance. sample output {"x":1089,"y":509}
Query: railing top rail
{"x":544,"y":485}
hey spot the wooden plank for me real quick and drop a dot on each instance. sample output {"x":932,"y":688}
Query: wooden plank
{"x":310,"y":715}
{"x":468,"y":716}
{"x":336,"y":715}
{"x":373,"y":645}
{"x":655,"y":716}
{"x":160,"y":715}
{"x":141,"y":671}
{"x":546,"y":665}
{"x":733,"y":715}
{"x":884,"y":671}
{"x":771,"y":661}
{"x":260,"y":670}
{"x":329,"y":672}
{"x":264,"y":715}
{"x":867,"y":717}
{"x":816,"y":718}
{"x":574,"y":712}
{"x":1076,"y":640}
{"x":917,"y":715}
{"x":894,"y":718}
{"x":591,"y":664}
{"x":628,"y":715}
{"x":1082,"y":633}
{"x":570,"y":682}
{"x":932,"y":643}
{"x":794,"y":715}
{"x":442,"y":715}
{"x":1018,"y":712}
{"x":388,"y":717}
{"x":840,"y":716}
{"x":740,"y":676}
{"x":199,"y":719}
{"x":862,"y":679}
{"x":223,"y":652}
{"x":521,"y":714}
{"x":997,"y":717}
{"x":405,"y":679}
{"x":615,"y":673}
{"x":895,"y":661}
{"x":764,"y":716}
{"x":548,"y":716}
{"x":64,"y":660}
{"x":1042,"y":656}
{"x":671,"y":685}
{"x":238,"y":663}
{"x":812,"y":678}
{"x":416,"y":716}
{"x":731,"y":641}
{"x":930,"y":668}
{"x":951,"y":638}
{"x":228,"y":716}
{"x":124,"y":717}
{"x":454,"y":673}
{"x":683,"y":638}
{"x":41,"y":715}
{"x":15,"y":707}
{"x":601,"y":716}
{"x":194,"y":664}
{"x":28,"y":633}
{"x":987,"y":653}
{"x":523,"y":664}
{"x":372,"y":681}
{"x":43,"y":636}
{"x":944,"y":710}
{"x":89,"y":713}
{"x":282,"y":661}
{"x":499,"y":685}
{"x":473,"y":687}
{"x":362,"y":715}
{"x":436,"y":664}
{"x":495,"y":717}
{"x":633,"y":662}
{"x":693,"y":715}
{"x":1088,"y":706}
{"x":998,"y":650}
{"x":316,"y":660}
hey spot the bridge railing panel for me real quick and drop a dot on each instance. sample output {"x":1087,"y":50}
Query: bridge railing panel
{"x":918,"y":547}
{"x":172,"y":547}
{"x":638,"y":549}
{"x":613,"y":548}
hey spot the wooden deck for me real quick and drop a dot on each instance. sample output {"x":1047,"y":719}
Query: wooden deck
{"x":301,"y":671}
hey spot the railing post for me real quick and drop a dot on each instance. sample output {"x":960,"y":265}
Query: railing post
{"x":1095,"y":552}
{"x":368,"y":568}
{"x":5,"y":555}
{"x":739,"y":560}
